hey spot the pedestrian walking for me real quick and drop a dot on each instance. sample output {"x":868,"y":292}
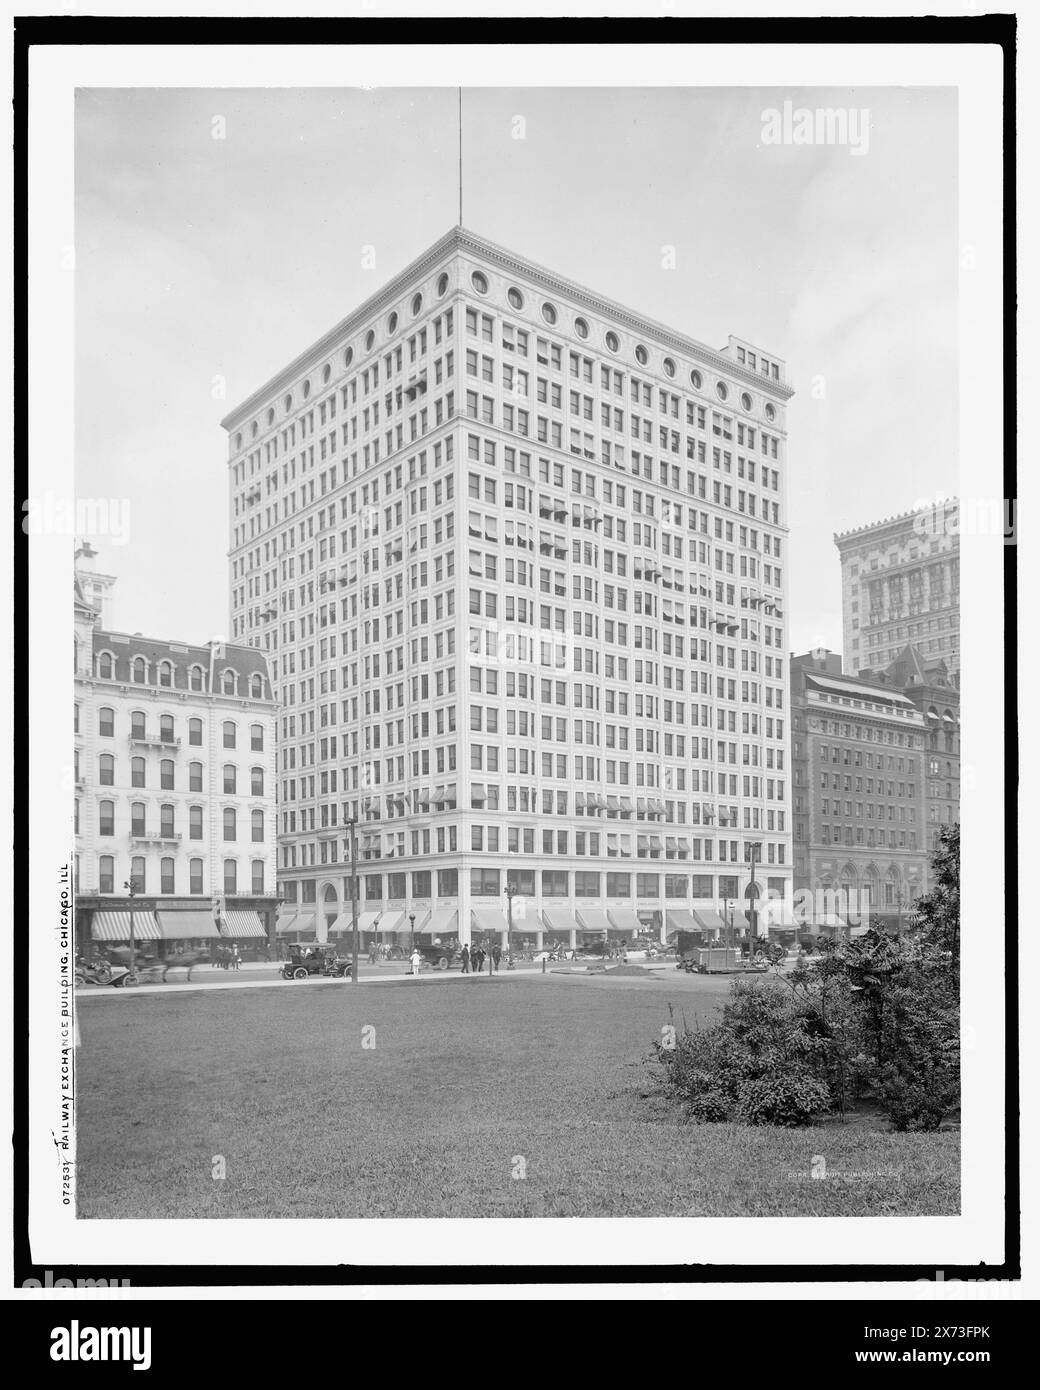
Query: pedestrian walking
{"x":464,"y":957}
{"x":416,"y":963}
{"x":236,"y":959}
{"x":496,"y":955}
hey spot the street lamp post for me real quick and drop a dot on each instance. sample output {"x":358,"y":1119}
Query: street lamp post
{"x":411,"y":933}
{"x":131,"y":887}
{"x":754,"y":852}
{"x":510,"y":890}
{"x":352,"y":842}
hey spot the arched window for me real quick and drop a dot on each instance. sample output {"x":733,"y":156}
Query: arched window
{"x":256,"y":820}
{"x":194,"y":822}
{"x":194,"y":777}
{"x":140,"y":670}
{"x":230,"y":779}
{"x":166,"y":879}
{"x":166,"y":673}
{"x":195,"y":732}
{"x":106,"y":874}
{"x":105,"y":666}
{"x":256,"y":687}
{"x":256,"y":737}
{"x":230,"y":876}
{"x":256,"y":781}
{"x":106,"y":770}
{"x":166,"y":822}
{"x":137,"y":818}
{"x":195,"y":876}
{"x":137,"y":724}
{"x":258,"y":877}
{"x":166,"y":728}
{"x":229,"y":822}
{"x":230,"y":683}
{"x":106,"y":722}
{"x":229,"y":733}
{"x":107,"y":819}
{"x":137,"y":873}
{"x":137,"y":772}
{"x":166,"y":775}
{"x":196,"y":678}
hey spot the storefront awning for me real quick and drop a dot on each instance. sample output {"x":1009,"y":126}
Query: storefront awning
{"x":558,"y":919}
{"x":489,"y":919}
{"x":115,"y":926}
{"x":285,"y":920}
{"x":680,"y":919}
{"x":708,"y":919}
{"x":442,"y":921}
{"x":613,"y":803}
{"x":625,"y":918}
{"x":304,"y":921}
{"x":594,"y":919}
{"x":237,"y":923}
{"x":393,"y":921}
{"x":187,"y":925}
{"x":626,"y":804}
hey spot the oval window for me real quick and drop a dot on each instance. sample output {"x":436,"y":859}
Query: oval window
{"x":669,"y":366}
{"x":442,"y":284}
{"x":745,"y":401}
{"x":641,"y":355}
{"x":417,"y":305}
{"x":770,"y":412}
{"x":581,"y":328}
{"x":270,"y":417}
{"x":370,"y":338}
{"x":391,"y":324}
{"x":549,"y":312}
{"x":480,"y":283}
{"x":696,"y":381}
{"x":288,"y":402}
{"x":721,"y":390}
{"x":515,"y":297}
{"x":326,"y":372}
{"x":612,"y":341}
{"x":306,"y":389}
{"x":348,"y":357}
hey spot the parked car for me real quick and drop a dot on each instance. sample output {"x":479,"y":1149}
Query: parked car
{"x":305,"y":961}
{"x":440,"y":956}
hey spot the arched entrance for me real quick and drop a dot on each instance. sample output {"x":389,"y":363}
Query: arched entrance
{"x":329,"y":911}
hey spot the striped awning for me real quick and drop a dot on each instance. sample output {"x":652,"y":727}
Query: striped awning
{"x":559,"y":919}
{"x":680,"y":919}
{"x":708,"y":919}
{"x":491,"y":919}
{"x":237,"y":923}
{"x":441,"y":921}
{"x":625,"y":918}
{"x":115,"y":926}
{"x":186,"y":925}
{"x":594,"y":919}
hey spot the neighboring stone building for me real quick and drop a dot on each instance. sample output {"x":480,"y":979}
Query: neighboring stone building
{"x":518,"y":556}
{"x":174,"y":786}
{"x":900,"y":582}
{"x":933,"y":691}
{"x":859,"y":754}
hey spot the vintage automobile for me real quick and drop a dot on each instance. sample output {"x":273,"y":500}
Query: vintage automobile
{"x":439,"y":956}
{"x":103,"y":972}
{"x":320,"y":959}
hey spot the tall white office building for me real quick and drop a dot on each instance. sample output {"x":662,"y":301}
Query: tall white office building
{"x":518,"y":558}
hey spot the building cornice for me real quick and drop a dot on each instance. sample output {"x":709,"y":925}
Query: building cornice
{"x":898,"y":521}
{"x":459,"y":240}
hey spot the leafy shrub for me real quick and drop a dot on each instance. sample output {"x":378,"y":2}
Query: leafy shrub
{"x":786,"y":1098}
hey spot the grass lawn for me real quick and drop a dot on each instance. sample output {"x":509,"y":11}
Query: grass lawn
{"x":469,"y":1080}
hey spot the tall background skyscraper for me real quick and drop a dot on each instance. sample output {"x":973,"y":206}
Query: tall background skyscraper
{"x":518,"y":557}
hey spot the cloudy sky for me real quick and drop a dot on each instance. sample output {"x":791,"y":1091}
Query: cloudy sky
{"x":204,"y":265}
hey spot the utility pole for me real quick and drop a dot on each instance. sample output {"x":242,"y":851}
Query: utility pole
{"x":510,"y":890}
{"x":352,"y":848}
{"x":131,"y":887}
